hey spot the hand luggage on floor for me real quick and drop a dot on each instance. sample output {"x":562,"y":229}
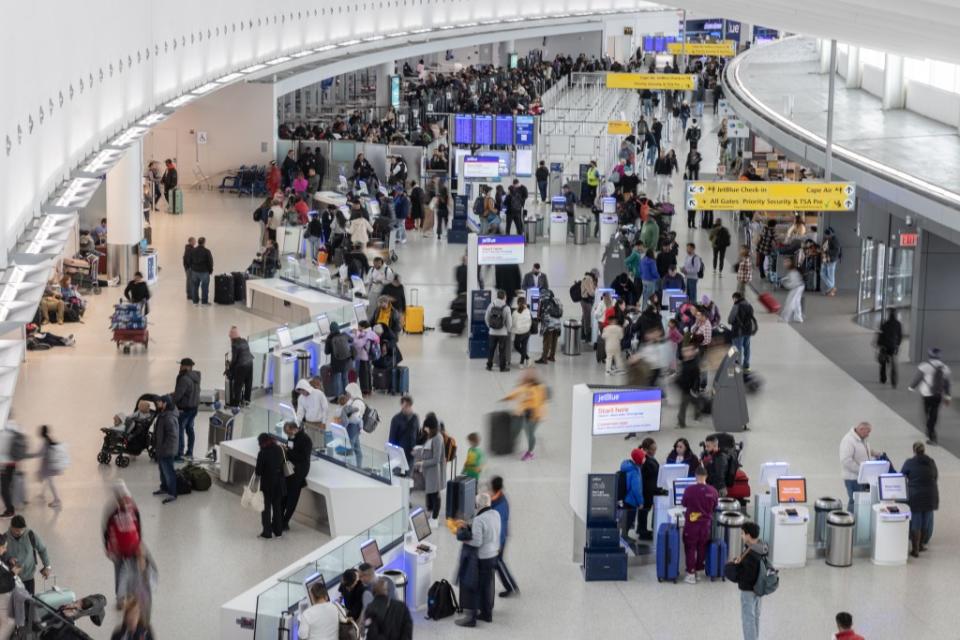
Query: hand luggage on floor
{"x":364,"y":377}
{"x":668,"y":552}
{"x":208,"y":398}
{"x":223,"y":288}
{"x":382,"y":379}
{"x":331,"y":383}
{"x":408,"y":223}
{"x":401,"y":380}
{"x":461,"y":493}
{"x":239,"y":286}
{"x":413,"y":317}
{"x":221,"y":428}
{"x":197,"y":476}
{"x":502,"y":438}
{"x":453,"y":325}
{"x":769,"y":302}
{"x":441,"y":601}
{"x":176,"y":200}
{"x":716,"y":559}
{"x":183,"y":483}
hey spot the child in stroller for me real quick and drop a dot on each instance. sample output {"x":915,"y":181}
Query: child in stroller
{"x":130,"y":435}
{"x":53,"y":620}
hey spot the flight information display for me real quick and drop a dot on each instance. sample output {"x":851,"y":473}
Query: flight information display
{"x":462,"y":129}
{"x":524,"y":130}
{"x":504,"y":130}
{"x":483,"y":130}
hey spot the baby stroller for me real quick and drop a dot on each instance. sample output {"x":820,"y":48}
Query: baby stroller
{"x":53,"y":615}
{"x":131,"y":437}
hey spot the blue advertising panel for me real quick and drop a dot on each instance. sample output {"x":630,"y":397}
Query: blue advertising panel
{"x":462,"y":129}
{"x":525,"y":126}
{"x":504,"y":130}
{"x":628,"y":411}
{"x":483,"y":130}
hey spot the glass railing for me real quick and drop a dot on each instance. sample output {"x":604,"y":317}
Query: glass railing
{"x":289,"y":589}
{"x":307,"y":274}
{"x":332,"y":446}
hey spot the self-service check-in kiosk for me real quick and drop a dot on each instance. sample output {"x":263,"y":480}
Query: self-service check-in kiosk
{"x":863,"y":501}
{"x":558,"y":220}
{"x":662,"y":505}
{"x":891,"y":521}
{"x":790,"y":523}
{"x":284,"y":364}
{"x":418,"y":557}
{"x":609,"y":222}
{"x":764,"y":502}
{"x":677,"y":511}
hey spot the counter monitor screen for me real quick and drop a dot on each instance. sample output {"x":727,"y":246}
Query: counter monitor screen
{"x":323,"y":325}
{"x":309,"y":582}
{"x":791,"y":489}
{"x":679,"y":486}
{"x":360,"y":311}
{"x":421,"y":526}
{"x":370,"y":552}
{"x":892,"y":486}
{"x":284,"y":338}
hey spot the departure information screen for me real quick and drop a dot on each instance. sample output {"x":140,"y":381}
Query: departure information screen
{"x":504,"y":131}
{"x":462,"y":129}
{"x":483,"y":130}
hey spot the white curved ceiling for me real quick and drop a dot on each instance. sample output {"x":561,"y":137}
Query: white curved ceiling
{"x":918,"y":28}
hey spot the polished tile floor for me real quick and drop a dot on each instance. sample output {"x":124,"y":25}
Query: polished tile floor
{"x":206,"y":545}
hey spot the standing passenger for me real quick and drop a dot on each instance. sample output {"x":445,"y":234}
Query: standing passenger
{"x":699,"y":501}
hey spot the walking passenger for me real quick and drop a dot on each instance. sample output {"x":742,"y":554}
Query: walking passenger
{"x":747,"y":573}
{"x":692,"y":271}
{"x":933,"y":383}
{"x":499,"y":503}
{"x":888,"y":345}
{"x":845,"y":628}
{"x":522,"y":325}
{"x":828,"y":268}
{"x":530,"y":397}
{"x":699,"y":503}
{"x":793,"y":282}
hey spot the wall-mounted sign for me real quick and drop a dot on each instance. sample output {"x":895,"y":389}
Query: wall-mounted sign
{"x":500,"y":250}
{"x":909,"y":239}
{"x":737,"y":128}
{"x":771,"y":196}
{"x":658,"y":81}
{"x":619,"y":127}
{"x":724,"y":48}
{"x":201,"y":137}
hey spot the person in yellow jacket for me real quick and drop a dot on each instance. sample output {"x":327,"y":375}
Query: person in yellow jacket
{"x":530,"y":397}
{"x":593,"y":180}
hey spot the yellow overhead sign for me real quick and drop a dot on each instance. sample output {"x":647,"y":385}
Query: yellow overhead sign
{"x":619,"y":127}
{"x":723,"y":49}
{"x":658,"y":81}
{"x":771,"y":196}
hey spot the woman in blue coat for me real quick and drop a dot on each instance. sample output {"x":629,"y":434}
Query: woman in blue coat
{"x":633,"y":497}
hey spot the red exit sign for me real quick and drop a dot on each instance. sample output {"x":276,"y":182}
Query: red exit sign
{"x":909,"y":239}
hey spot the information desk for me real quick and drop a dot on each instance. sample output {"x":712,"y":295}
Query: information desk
{"x":335,"y":499}
{"x":285,"y":301}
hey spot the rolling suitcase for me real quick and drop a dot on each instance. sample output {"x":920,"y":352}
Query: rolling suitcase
{"x":668,"y":552}
{"x":716,"y":559}
{"x":176,"y":200}
{"x":331,"y":383}
{"x":364,"y":376}
{"x":769,"y":302}
{"x":502,"y":438}
{"x":453,"y":325}
{"x":239,"y":286}
{"x":461,"y":494}
{"x":223,"y":288}
{"x":401,"y":380}
{"x":382,"y":379}
{"x":413,"y":318}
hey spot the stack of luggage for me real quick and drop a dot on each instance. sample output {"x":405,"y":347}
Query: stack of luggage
{"x":456,"y":322}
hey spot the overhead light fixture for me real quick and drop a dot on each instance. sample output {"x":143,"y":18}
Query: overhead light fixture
{"x":78,"y":192}
{"x":279,"y":60}
{"x":230,"y":77}
{"x":469,"y":24}
{"x":582,"y":13}
{"x":446,"y":27}
{"x":326,"y":47}
{"x":373,"y":38}
{"x":349,"y":43}
{"x":300,"y":54}
{"x":128,"y":137}
{"x":256,"y":67}
{"x":490,"y":22}
{"x":423,"y":30}
{"x":152,"y":119}
{"x":398,"y":34}
{"x":560,"y":15}
{"x":514,"y":20}
{"x":206,"y":88}
{"x":179,"y":102}
{"x":103,"y":160}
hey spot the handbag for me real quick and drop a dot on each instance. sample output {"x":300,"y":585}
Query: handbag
{"x":252,"y":497}
{"x":287,"y":465}
{"x":348,"y":628}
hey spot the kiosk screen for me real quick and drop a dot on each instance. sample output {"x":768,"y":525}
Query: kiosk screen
{"x":791,"y":489}
{"x":421,"y":526}
{"x":370,"y":552}
{"x":323,"y":325}
{"x":309,"y":582}
{"x":679,"y":486}
{"x":893,"y":486}
{"x":283,"y":338}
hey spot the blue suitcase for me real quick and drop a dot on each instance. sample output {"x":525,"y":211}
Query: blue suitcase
{"x":668,"y":552}
{"x":716,"y":559}
{"x":401,"y":380}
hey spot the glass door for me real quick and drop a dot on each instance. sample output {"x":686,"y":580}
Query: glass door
{"x":899,"y":286}
{"x":881,"y":275}
{"x":867,"y":277}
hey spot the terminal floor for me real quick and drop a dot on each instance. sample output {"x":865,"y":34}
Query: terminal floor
{"x":904,"y":140}
{"x":206,"y":545}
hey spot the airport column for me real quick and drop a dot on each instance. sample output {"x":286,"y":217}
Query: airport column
{"x":125,"y":212}
{"x":935,"y":313}
{"x":854,"y":76}
{"x":384,"y":71}
{"x":894,"y":96}
{"x":831,"y":91}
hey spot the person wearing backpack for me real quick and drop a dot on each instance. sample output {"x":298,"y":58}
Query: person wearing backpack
{"x":719,"y":241}
{"x":550,"y":318}
{"x":630,"y":486}
{"x":341,"y":352}
{"x":386,"y":618}
{"x":25,"y":546}
{"x":515,"y":204}
{"x":352,"y":409}
{"x":747,"y":571}
{"x":692,"y":270}
{"x":498,"y":321}
{"x":743,"y":326}
{"x":933,"y":383}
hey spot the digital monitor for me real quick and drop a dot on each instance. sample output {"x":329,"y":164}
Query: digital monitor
{"x":500,"y":250}
{"x":481,"y":167}
{"x":311,"y":580}
{"x":791,"y":489}
{"x":770,"y":471}
{"x":871,"y":470}
{"x":503,"y":133}
{"x":483,"y":130}
{"x":514,"y":57}
{"x":524,"y":163}
{"x":323,"y":325}
{"x":462,"y":129}
{"x":359,"y":288}
{"x":397,"y":458}
{"x":670,"y":294}
{"x":360,"y":311}
{"x":421,"y":525}
{"x":679,"y":486}
{"x":395,"y":92}
{"x":524,"y":130}
{"x":670,"y":472}
{"x":677,"y":301}
{"x":622,"y":411}
{"x":370,"y":552}
{"x":533,"y":300}
{"x":373,"y":208}
{"x":893,"y":486}
{"x":284,"y":338}
{"x":603,"y":290}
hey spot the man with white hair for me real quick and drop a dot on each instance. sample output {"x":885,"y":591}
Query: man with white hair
{"x":853,"y":451}
{"x":484,"y":536}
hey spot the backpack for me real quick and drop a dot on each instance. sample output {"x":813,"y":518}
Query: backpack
{"x":478,"y":206}
{"x":257,"y":215}
{"x":694,"y":134}
{"x":340,"y":347}
{"x":575,"y":293}
{"x":517,"y":200}
{"x":768,"y":578}
{"x":441,"y":601}
{"x":123,"y":538}
{"x":449,"y":447}
{"x":555,"y":309}
{"x":370,"y":419}
{"x":732,"y":467}
{"x":497,"y":319}
{"x":700,"y":270}
{"x":938,"y":384}
{"x":18,"y":446}
{"x":58,"y":458}
{"x":621,"y":486}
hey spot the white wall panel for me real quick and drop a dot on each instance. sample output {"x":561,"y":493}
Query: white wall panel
{"x":934,"y":103}
{"x":872,"y":81}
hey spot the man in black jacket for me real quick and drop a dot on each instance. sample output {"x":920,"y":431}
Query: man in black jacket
{"x":649,"y":471}
{"x":299,"y":452}
{"x":888,"y":345}
{"x":186,"y":397}
{"x":385,"y":618}
{"x":201,"y":267}
{"x":688,"y":383}
{"x":404,"y":428}
{"x":137,"y":291}
{"x":747,"y":572}
{"x":187,"y":250}
{"x":717,"y":463}
{"x":273,"y":485}
{"x":743,"y":324}
{"x":239,"y":370}
{"x":165,"y":437}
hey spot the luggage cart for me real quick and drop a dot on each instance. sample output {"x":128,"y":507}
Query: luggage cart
{"x":84,"y":271}
{"x":129,"y":326}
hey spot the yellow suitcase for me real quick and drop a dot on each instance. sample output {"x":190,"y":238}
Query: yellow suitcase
{"x":413,"y":319}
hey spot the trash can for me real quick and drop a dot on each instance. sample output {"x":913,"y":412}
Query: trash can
{"x":821,"y":508}
{"x":839,"y":538}
{"x":724,"y":505}
{"x":581,"y":229}
{"x":571,"y":337}
{"x":731,"y":532}
{"x":399,"y":579}
{"x":530,"y":230}
{"x":303,"y":365}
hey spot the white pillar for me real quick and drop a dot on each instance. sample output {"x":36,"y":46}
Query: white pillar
{"x":125,"y":211}
{"x":384,"y":71}
{"x":504,"y":49}
{"x":853,"y":67}
{"x":894,"y":96}
{"x":824,"y":56}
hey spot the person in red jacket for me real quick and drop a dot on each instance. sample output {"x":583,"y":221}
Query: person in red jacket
{"x":845,"y":628}
{"x":273,"y":178}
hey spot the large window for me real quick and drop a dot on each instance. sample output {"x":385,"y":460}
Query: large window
{"x":942,"y":75}
{"x":873,"y":58}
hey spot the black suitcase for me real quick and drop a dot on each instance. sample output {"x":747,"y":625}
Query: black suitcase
{"x":382,"y":380}
{"x":364,"y":376}
{"x":461,"y":494}
{"x":223,"y":289}
{"x":239,"y":286}
{"x":453,"y":324}
{"x":501,"y":438}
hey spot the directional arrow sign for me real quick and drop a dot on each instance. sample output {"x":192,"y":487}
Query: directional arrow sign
{"x":771,"y":196}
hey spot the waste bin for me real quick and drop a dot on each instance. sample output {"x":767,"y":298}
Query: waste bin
{"x":723,"y":505}
{"x":731,"y":532}
{"x":530,"y":230}
{"x":571,"y":337}
{"x":399,"y":579}
{"x":821,"y":508}
{"x":303,"y":365}
{"x":581,"y":229}
{"x":839,"y":538}
{"x":541,"y":225}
